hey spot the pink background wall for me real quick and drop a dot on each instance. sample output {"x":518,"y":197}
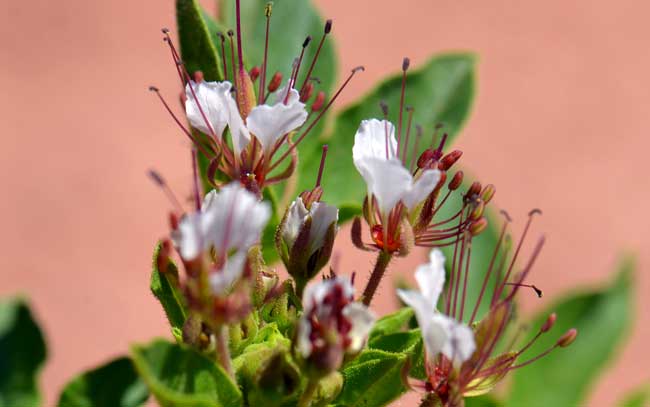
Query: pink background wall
{"x":560,"y":123}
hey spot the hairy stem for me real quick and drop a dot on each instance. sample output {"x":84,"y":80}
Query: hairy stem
{"x":377,"y":274}
{"x":223,"y":353}
{"x":309,"y":393}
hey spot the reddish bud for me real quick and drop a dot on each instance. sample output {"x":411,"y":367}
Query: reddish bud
{"x":550,"y":321}
{"x":275,"y":83}
{"x":474,"y":189}
{"x":568,"y":338}
{"x":478,"y":226}
{"x":425,"y":158}
{"x":307,"y":91}
{"x":318,"y":102}
{"x":455,"y":182}
{"x":255,"y":73}
{"x":488,"y":193}
{"x":449,"y":160}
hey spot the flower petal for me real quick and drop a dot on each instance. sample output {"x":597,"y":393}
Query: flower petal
{"x":292,"y":224}
{"x":431,"y":276}
{"x":212,"y":97}
{"x":188,"y":238}
{"x":421,"y":188}
{"x":270,"y":123}
{"x":222,"y":280}
{"x":387,"y":180}
{"x":460,"y":344}
{"x":235,"y":218}
{"x":362,"y":320}
{"x":370,"y":141}
{"x":322,"y":217}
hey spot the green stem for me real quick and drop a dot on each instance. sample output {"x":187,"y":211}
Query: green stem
{"x":309,"y":393}
{"x":375,"y":278}
{"x":223,"y":353}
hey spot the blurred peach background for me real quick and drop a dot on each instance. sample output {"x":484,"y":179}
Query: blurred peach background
{"x":560,"y":123}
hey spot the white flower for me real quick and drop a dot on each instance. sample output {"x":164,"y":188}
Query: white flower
{"x":441,"y":333}
{"x":232,"y":218}
{"x":222,"y":280}
{"x":268,"y":123}
{"x":328,"y":303}
{"x":322,"y":217}
{"x":374,"y":155}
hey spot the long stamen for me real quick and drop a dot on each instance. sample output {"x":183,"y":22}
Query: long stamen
{"x":405,"y":66}
{"x":529,"y":266}
{"x":409,"y":110}
{"x":232,"y":57}
{"x":195,"y":179}
{"x":175,"y":57}
{"x":268,"y":10}
{"x":294,"y":75}
{"x":467,"y":264}
{"x":328,"y":29}
{"x":322,"y":165}
{"x":240,"y":54}
{"x":317,"y":119}
{"x":418,"y":136}
{"x":531,"y":286}
{"x":178,"y":122}
{"x":384,"y":109}
{"x":160,"y":181}
{"x":223,"y":55}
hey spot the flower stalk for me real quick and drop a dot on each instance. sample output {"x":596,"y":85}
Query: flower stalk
{"x":383,"y":259}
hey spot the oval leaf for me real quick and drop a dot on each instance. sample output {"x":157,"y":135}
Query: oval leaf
{"x":164,"y":286}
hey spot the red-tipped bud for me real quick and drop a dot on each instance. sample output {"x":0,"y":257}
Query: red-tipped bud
{"x":550,"y":321}
{"x":568,"y":338}
{"x":474,"y":189}
{"x":477,"y":212}
{"x":275,"y":83}
{"x":255,"y":73}
{"x":456,"y":181}
{"x":425,"y":158}
{"x":306,"y":92}
{"x":449,"y":160}
{"x":318,"y":102}
{"x":477,"y":227}
{"x":488,"y":193}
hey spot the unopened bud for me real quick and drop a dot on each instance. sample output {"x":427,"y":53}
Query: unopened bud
{"x":550,"y":321}
{"x":318,"y":102}
{"x":477,"y":212}
{"x":477,"y":227}
{"x":488,"y":193}
{"x":450,"y":159}
{"x":306,"y":92}
{"x":245,"y":93}
{"x":275,"y":83}
{"x":198,"y":76}
{"x":568,"y":338}
{"x":474,"y":189}
{"x":254,"y":73}
{"x":456,"y":181}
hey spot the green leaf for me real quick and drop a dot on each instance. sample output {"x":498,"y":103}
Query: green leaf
{"x":196,"y":47}
{"x":564,"y":377}
{"x":637,"y":398}
{"x":164,"y":286}
{"x":113,"y":384}
{"x":483,"y":401}
{"x":441,"y":91}
{"x":22,"y":353}
{"x":179,"y":376}
{"x":391,"y":323}
{"x":374,"y":378}
{"x":401,"y":342}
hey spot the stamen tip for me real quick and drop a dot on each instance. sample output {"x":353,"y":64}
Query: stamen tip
{"x":153,"y":88}
{"x":535,"y":211}
{"x":306,"y":42}
{"x":359,"y":68}
{"x":165,"y":30}
{"x":328,"y":26}
{"x":155,"y":177}
{"x":231,"y":33}
{"x":405,"y":63}
{"x":506,"y":215}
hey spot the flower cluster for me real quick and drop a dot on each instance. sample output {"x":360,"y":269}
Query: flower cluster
{"x":245,"y":132}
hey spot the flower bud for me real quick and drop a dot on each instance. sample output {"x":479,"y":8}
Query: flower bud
{"x":332,"y":325}
{"x":245,"y":93}
{"x":550,"y":321}
{"x":254,"y":73}
{"x":425,"y":158}
{"x":450,"y":159}
{"x":305,"y":239}
{"x":473,"y":190}
{"x":488,"y":193}
{"x":275,"y":82}
{"x":318,"y":102}
{"x":478,"y":226}
{"x":456,"y":181}
{"x":568,"y":338}
{"x":306,"y":92}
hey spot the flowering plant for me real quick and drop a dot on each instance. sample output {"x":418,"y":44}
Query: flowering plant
{"x":276,"y":174}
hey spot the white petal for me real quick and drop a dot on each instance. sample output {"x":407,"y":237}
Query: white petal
{"x":435,"y":333}
{"x":222,"y":280}
{"x":280,"y":95}
{"x":303,"y":343}
{"x":387,"y":180}
{"x":370,"y":141}
{"x":362,"y":320}
{"x":460,"y":344}
{"x":322,"y":217}
{"x":235,"y":218}
{"x":421,"y":188}
{"x":238,"y":131}
{"x":315,"y":292}
{"x":295,"y":219}
{"x":431,"y":276}
{"x":270,"y":123}
{"x":211,"y":96}
{"x":188,"y":238}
